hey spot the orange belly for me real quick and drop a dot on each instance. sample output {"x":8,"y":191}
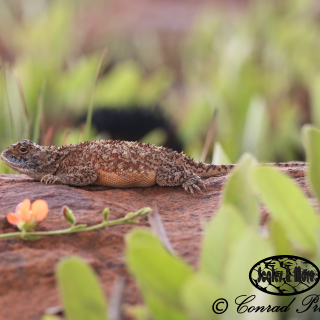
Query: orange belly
{"x":126,"y":180}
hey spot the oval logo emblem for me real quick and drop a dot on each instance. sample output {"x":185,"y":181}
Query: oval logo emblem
{"x":284,"y":275}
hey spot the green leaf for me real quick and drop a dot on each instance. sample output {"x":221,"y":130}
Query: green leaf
{"x":155,"y":269}
{"x":143,"y":211}
{"x":137,"y":312}
{"x":238,"y":191}
{"x":198,"y":295}
{"x":219,"y":155}
{"x":249,"y":248}
{"x":87,"y":131}
{"x":222,"y":231}
{"x":50,"y":317}
{"x":81,"y":293}
{"x":120,"y":86}
{"x":157,"y":136}
{"x":311,"y":138}
{"x":13,"y":128}
{"x":160,"y":309}
{"x":279,"y":238}
{"x":130,"y":215}
{"x":105,"y":214}
{"x":37,"y":125}
{"x":254,"y":124}
{"x":141,"y":237}
{"x":74,"y":86}
{"x":289,"y":206}
{"x":153,"y":87}
{"x":68,"y":215}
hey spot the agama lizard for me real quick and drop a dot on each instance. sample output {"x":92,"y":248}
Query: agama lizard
{"x":117,"y":164}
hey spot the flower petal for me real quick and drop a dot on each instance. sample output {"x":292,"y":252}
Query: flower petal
{"x":23,"y":209}
{"x":13,"y":218}
{"x":39,"y":209}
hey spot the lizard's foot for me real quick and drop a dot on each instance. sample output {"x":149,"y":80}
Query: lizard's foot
{"x":177,"y":176}
{"x":49,"y":178}
{"x":193,"y":183}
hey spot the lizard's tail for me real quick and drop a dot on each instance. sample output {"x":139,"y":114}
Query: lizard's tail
{"x":285,"y":164}
{"x":205,"y":170}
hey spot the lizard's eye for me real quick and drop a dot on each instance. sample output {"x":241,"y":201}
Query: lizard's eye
{"x":23,"y":150}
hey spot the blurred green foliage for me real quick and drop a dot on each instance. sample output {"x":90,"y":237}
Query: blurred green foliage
{"x":258,"y":67}
{"x":232,"y":244}
{"x":80,"y":291}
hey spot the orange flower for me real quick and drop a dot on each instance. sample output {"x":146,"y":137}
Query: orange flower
{"x":26,"y":217}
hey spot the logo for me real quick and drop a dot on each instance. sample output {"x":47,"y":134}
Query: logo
{"x":284,"y":275}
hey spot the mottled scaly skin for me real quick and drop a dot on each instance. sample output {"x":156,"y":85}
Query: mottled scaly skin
{"x":117,"y":164}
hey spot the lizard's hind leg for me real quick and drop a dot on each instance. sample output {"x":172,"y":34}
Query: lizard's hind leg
{"x":170,"y":175}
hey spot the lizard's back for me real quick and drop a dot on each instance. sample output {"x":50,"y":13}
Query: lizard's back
{"x":118,"y":164}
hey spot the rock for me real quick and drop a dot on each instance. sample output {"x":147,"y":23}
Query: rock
{"x":27,"y":269}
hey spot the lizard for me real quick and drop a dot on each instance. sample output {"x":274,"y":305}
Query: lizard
{"x":111,"y":163}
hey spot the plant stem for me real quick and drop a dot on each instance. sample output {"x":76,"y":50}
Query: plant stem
{"x":124,"y":220}
{"x":89,"y":114}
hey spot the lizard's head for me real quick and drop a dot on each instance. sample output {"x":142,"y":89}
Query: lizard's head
{"x":27,"y":157}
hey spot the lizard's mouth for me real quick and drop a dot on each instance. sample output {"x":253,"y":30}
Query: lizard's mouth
{"x":13,"y":163}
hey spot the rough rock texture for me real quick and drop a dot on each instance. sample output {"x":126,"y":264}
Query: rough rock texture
{"x":27,"y":282}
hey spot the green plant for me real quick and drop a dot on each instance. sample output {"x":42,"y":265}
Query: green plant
{"x":258,"y":68}
{"x":232,"y":243}
{"x":81,"y":293}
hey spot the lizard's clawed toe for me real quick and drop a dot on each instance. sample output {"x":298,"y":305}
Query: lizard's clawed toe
{"x":192,"y":183}
{"x":49,"y":179}
{"x":190,"y":190}
{"x":196,"y":187}
{"x":185,"y":187}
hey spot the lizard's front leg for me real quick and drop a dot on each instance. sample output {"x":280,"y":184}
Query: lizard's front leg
{"x":74,"y":176}
{"x":169,"y":175}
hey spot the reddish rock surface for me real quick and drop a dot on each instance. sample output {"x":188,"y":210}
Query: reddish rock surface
{"x":27,"y":281}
